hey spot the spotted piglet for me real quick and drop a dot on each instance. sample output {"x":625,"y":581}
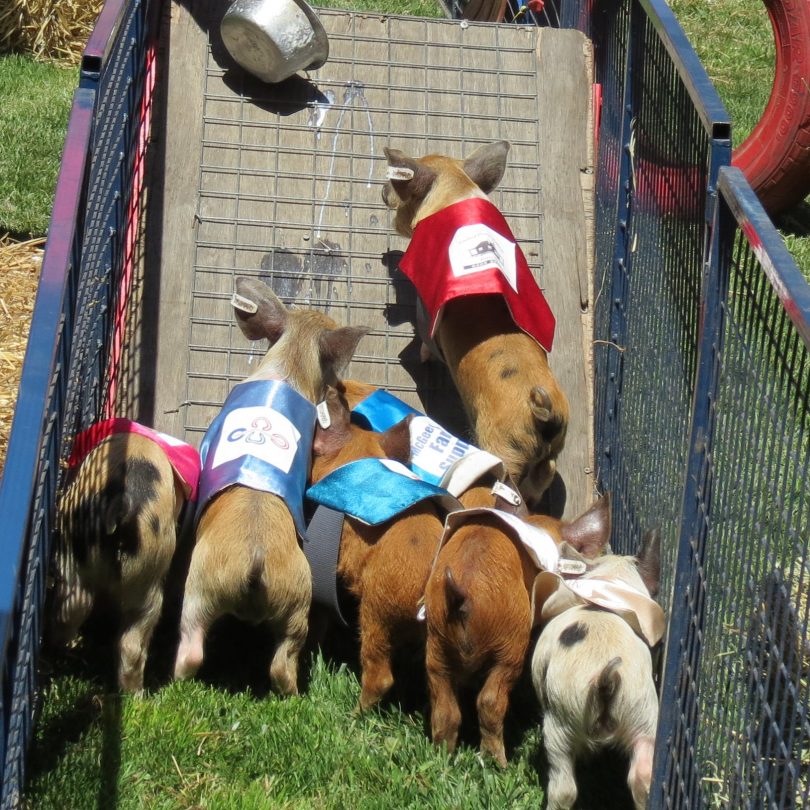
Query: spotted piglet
{"x":117,"y":526}
{"x":478,"y":609}
{"x":247,"y":559}
{"x":592,"y":667}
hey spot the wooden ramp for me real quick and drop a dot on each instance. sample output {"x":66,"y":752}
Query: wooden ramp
{"x":283,"y":182}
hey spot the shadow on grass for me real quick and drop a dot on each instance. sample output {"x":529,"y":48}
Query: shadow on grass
{"x":81,"y":693}
{"x":796,"y":221}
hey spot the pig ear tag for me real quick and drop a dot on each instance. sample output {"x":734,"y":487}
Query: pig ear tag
{"x":572,"y":568}
{"x":507,"y":493}
{"x":322,"y":411}
{"x":244,"y":304}
{"x":399,"y":173}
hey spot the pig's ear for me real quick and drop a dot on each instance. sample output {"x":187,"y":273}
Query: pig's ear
{"x":330,"y":440}
{"x":590,"y":532}
{"x":337,"y":346}
{"x":396,"y":441}
{"x":409,"y":177}
{"x":550,"y":420}
{"x":259,"y":311}
{"x":486,"y":165}
{"x":648,"y":561}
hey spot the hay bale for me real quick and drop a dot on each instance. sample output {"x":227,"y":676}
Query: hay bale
{"x":56,"y":30}
{"x":21,"y":262}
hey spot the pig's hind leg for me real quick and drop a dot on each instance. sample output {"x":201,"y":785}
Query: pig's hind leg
{"x":445,"y":712}
{"x":291,"y":635}
{"x":289,"y":598}
{"x":640,"y":776}
{"x":375,"y":658}
{"x":201,"y":607}
{"x":72,"y":604}
{"x":138,"y":622}
{"x":562,"y":786}
{"x":493,"y":700}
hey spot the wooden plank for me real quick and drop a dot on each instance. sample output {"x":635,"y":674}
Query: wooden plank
{"x":287,"y":189}
{"x":564,"y":92}
{"x":173,"y":200}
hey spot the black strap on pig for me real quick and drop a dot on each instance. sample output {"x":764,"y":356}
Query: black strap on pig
{"x":321,"y":548}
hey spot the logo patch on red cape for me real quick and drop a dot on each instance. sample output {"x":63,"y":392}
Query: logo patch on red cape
{"x":468,"y":249}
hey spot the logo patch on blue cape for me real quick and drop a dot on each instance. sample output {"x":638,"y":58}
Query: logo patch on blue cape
{"x":262,"y":439}
{"x":434,"y":450}
{"x":437,"y":456}
{"x":374,"y":490}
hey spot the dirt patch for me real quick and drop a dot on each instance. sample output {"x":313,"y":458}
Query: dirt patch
{"x":20,"y":263}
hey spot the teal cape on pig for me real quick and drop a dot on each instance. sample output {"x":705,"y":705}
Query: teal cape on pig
{"x":375,"y":490}
{"x":262,"y":439}
{"x":433,"y":448}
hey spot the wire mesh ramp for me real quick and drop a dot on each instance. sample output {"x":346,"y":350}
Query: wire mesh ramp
{"x":282,"y":182}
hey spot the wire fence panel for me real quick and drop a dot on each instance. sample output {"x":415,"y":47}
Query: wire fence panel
{"x":124,"y":81}
{"x":742,"y":706}
{"x":649,"y":280}
{"x":31,"y":472}
{"x":74,"y":344}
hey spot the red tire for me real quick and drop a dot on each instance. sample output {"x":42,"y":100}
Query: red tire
{"x":775,"y":157}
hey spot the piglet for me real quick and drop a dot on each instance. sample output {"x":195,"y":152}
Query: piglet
{"x":592,"y":667}
{"x":247,"y":560}
{"x":384,"y":566}
{"x":117,"y":523}
{"x":514,"y":403}
{"x":478,"y":610}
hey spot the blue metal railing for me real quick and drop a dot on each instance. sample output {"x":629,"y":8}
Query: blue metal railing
{"x":735,"y":729}
{"x":62,"y":355}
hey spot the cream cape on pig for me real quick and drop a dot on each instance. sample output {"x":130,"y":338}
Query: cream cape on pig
{"x":552,"y":595}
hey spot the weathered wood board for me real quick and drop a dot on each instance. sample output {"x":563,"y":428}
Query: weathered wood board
{"x":283,"y":182}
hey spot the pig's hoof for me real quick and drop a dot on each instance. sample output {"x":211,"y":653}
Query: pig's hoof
{"x":184,"y":669}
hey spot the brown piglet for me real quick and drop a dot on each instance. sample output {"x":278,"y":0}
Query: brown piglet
{"x":515,"y":406}
{"x":117,"y":526}
{"x":479,"y":620}
{"x":247,"y":560}
{"x":384,"y":566}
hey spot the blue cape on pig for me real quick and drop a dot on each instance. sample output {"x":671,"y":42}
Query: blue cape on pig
{"x":262,"y":439}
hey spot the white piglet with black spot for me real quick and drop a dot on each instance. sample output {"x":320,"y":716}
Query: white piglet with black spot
{"x":593,"y":674}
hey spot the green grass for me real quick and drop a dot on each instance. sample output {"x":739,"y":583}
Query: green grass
{"x":414,"y":8}
{"x":735,"y":43}
{"x":35,"y":102}
{"x":192,"y":744}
